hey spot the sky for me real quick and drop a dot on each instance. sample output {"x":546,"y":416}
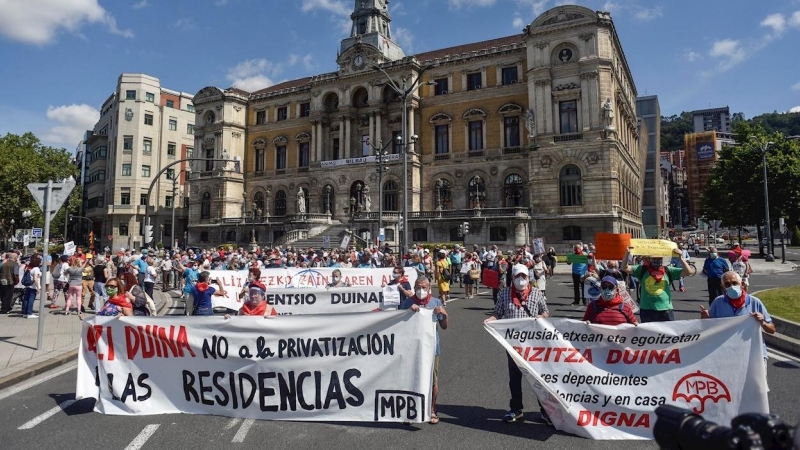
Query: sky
{"x":61,"y":58}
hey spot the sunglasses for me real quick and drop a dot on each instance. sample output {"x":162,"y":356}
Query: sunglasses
{"x":111,"y":286}
{"x":607,"y":286}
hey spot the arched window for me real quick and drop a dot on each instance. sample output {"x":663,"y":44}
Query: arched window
{"x":280,"y":203}
{"x":441,"y":192}
{"x":205,"y":206}
{"x":331,"y":102}
{"x":477,"y":192}
{"x":327,"y":199}
{"x":570,"y":186}
{"x":258,"y":202}
{"x":512,"y":191}
{"x":390,"y":191}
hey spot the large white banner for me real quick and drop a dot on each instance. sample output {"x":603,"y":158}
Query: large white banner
{"x":311,"y":278}
{"x":291,"y":301}
{"x":359,"y":367}
{"x":604,"y":382}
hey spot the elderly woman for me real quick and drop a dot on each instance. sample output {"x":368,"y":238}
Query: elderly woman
{"x":255,"y":303}
{"x":117,"y":303}
{"x":75,"y":280}
{"x":337,"y":281}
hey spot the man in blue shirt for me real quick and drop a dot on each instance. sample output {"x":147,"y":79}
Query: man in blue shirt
{"x":141,"y":266}
{"x":736,"y":302}
{"x":578,"y":271}
{"x":423,"y":299}
{"x":714,"y":267}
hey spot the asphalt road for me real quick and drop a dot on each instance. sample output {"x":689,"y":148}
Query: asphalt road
{"x":472,"y":400}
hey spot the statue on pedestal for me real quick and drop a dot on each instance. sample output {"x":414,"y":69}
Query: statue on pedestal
{"x":301,"y":202}
{"x":608,"y":114}
{"x":367,"y":200}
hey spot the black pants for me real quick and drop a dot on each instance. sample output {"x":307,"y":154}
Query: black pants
{"x":714,"y":289}
{"x":148,"y":288}
{"x":577,"y":288}
{"x":6,"y":297}
{"x":515,"y":386}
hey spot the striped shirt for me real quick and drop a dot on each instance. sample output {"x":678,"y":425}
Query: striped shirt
{"x":506,"y":309}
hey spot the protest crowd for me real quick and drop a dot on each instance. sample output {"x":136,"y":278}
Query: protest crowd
{"x":613,"y":291}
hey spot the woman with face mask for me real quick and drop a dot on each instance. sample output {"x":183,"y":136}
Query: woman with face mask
{"x":400,"y":279}
{"x":609,"y":309}
{"x":255,"y":302}
{"x":117,"y":303}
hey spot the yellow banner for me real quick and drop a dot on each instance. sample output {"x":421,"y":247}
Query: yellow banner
{"x":652,"y":247}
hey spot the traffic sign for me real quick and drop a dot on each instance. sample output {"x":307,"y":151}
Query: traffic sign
{"x":59,"y":193}
{"x":36,"y":232}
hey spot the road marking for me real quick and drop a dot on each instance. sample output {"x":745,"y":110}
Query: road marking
{"x":783,"y":357}
{"x":41,"y":418}
{"x":243,"y":430}
{"x":142,"y":438}
{"x":35,"y":381}
{"x":232,"y":423}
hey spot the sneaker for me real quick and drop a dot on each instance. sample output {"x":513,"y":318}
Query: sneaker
{"x":546,"y":418}
{"x":31,"y":316}
{"x":512,"y":416}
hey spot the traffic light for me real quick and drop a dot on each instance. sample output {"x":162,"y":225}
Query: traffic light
{"x":461,"y":230}
{"x":70,"y":217}
{"x":465,"y":227}
{"x":148,"y":234}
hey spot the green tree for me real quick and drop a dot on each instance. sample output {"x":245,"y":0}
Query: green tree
{"x":673,"y":129}
{"x":23,"y":160}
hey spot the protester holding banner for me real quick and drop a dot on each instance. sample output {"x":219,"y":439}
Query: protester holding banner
{"x":519,"y":301}
{"x":654,"y":280}
{"x":737,"y":302}
{"x":400,"y":279}
{"x":713,"y":268}
{"x":423,"y":299}
{"x":202,"y":292}
{"x":609,"y":309}
{"x":255,"y":303}
{"x":337,"y":281}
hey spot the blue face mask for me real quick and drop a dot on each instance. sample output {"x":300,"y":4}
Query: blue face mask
{"x":608,"y":294}
{"x":733,"y":292}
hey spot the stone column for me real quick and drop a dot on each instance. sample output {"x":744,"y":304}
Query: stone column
{"x":585,"y":101}
{"x":320,"y":140}
{"x":312,"y":150}
{"x":372,"y":139}
{"x":411,"y":127}
{"x":377,"y":126}
{"x":549,"y":105}
{"x":342,"y":145}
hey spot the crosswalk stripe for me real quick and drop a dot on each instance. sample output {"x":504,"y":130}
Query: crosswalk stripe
{"x":243,"y":430}
{"x":232,"y":423}
{"x":42,"y":417}
{"x":139,"y":441}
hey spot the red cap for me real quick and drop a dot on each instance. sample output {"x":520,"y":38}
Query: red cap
{"x":258,"y":284}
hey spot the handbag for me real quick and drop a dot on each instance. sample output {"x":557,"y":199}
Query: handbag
{"x":474,"y":274}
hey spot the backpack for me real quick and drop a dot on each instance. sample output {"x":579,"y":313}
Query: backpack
{"x":446,"y":273}
{"x":596,"y":311}
{"x":27,"y":279}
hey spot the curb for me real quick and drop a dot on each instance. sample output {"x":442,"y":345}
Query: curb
{"x":786,"y":335}
{"x":52,"y":363}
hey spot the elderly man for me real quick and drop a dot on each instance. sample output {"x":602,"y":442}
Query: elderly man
{"x":519,"y":301}
{"x":713,"y":268}
{"x":654,"y":280}
{"x":423,"y":299}
{"x":737,"y":302}
{"x":8,"y":279}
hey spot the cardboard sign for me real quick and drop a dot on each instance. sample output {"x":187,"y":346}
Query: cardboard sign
{"x":611,"y":246}
{"x":69,"y":248}
{"x":491,"y":278}
{"x":538,"y":246}
{"x":652,"y":247}
{"x":575,"y":258}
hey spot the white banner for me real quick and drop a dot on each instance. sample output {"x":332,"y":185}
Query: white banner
{"x":390,"y":158}
{"x":311,"y":278}
{"x":604,"y":382}
{"x":285,"y":368}
{"x":291,"y":301}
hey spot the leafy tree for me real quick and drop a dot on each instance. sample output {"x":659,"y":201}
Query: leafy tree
{"x":23,"y":160}
{"x":673,"y":129}
{"x":787,"y":124}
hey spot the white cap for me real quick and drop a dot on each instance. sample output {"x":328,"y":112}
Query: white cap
{"x":518,"y":269}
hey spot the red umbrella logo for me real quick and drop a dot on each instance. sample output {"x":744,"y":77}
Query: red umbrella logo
{"x":701,"y":387}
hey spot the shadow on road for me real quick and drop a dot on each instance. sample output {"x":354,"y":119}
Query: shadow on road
{"x":484,"y":419}
{"x":85,"y":406}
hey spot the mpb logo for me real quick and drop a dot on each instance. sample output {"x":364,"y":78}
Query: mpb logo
{"x":394,"y":406}
{"x":700,"y":387}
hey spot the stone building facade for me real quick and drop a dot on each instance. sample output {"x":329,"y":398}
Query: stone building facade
{"x":530,"y":135}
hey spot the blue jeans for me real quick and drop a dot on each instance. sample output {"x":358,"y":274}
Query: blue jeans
{"x":651,"y":315}
{"x":28,"y":298}
{"x":203,"y":312}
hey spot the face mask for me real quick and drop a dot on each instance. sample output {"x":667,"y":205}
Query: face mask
{"x":520,"y":283}
{"x":712,"y":256}
{"x":421,"y":293}
{"x":395,"y":275}
{"x":608,"y":294}
{"x":251,"y":278}
{"x":335,"y":279}
{"x":612,"y":269}
{"x":733,"y":292}
{"x":112,"y":291}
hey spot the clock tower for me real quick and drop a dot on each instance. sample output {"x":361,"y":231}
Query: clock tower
{"x":370,"y":40}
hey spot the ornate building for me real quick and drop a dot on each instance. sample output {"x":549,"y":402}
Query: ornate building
{"x":531,"y":135}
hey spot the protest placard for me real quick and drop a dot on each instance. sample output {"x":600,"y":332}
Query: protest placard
{"x":611,"y":246}
{"x":652,"y":247}
{"x":576,"y":258}
{"x":490,"y":278}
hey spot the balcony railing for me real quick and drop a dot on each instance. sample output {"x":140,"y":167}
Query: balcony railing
{"x":513,"y":150}
{"x":441,"y":157}
{"x":393,"y":216}
{"x":568,"y":137}
{"x":475,"y":153}
{"x":291,"y":236}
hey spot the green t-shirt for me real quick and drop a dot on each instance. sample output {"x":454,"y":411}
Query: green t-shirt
{"x":656,"y":296}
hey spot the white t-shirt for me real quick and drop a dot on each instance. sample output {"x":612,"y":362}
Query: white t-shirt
{"x":34,"y":273}
{"x":63,"y":276}
{"x":150,"y":274}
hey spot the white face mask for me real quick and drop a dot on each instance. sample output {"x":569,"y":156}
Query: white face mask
{"x":520,"y":283}
{"x":421,"y":293}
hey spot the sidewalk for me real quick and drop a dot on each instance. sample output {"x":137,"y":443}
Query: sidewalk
{"x":19,"y":359}
{"x":760,"y":267}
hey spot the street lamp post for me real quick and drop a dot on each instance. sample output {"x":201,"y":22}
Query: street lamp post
{"x":27,"y":216}
{"x":764,"y":146}
{"x":404,"y":90}
{"x":380,"y":149}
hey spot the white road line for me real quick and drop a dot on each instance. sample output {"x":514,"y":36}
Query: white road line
{"x":783,"y":357}
{"x":35,"y":381}
{"x":41,"y":418}
{"x":232,"y":423}
{"x":243,"y":430}
{"x":142,"y":438}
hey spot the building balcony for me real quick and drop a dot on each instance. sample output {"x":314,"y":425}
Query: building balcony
{"x":495,"y":213}
{"x":567,"y":137}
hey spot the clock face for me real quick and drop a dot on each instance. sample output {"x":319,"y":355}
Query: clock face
{"x":358,"y":61}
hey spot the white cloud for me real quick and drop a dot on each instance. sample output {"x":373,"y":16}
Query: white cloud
{"x":729,"y":53}
{"x":308,"y":62}
{"x":518,"y":23}
{"x":253,"y":74}
{"x":293,"y":59}
{"x":691,"y":56}
{"x":141,"y":4}
{"x":775,"y":21}
{"x":73,"y":121}
{"x":185,"y":24}
{"x":38,"y":21}
{"x":537,"y":6}
{"x":796,"y":87}
{"x":470,"y":3}
{"x":796,"y":109}
{"x":336,"y":7}
{"x":404,"y":38}
{"x":611,"y":7}
{"x":794,"y":20}
{"x":647,"y":14}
